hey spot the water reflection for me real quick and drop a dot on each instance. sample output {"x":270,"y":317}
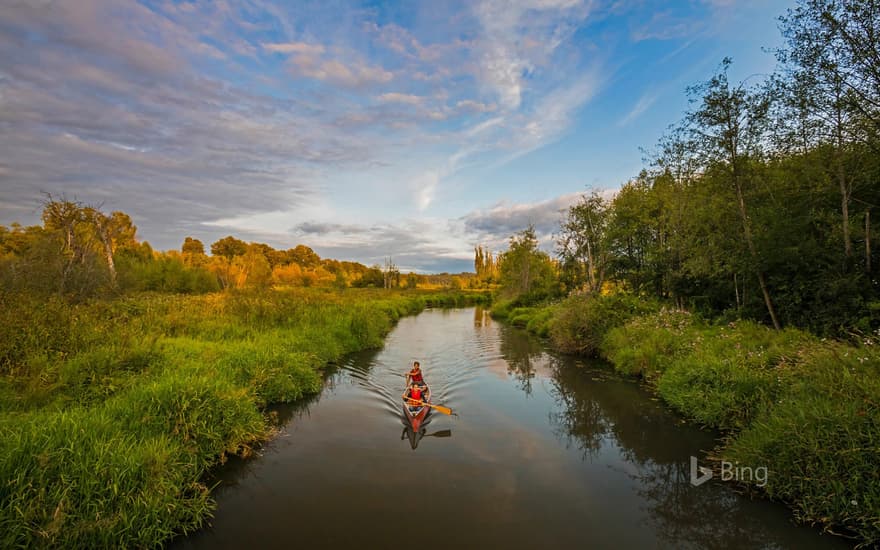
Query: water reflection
{"x":524,"y":356}
{"x":482,"y":317}
{"x":415,"y":437}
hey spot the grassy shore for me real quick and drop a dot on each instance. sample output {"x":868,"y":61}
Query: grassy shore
{"x":806,"y":408}
{"x":112,"y":411}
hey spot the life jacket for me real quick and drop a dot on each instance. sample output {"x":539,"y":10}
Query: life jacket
{"x":415,"y":395}
{"x":416,"y":376}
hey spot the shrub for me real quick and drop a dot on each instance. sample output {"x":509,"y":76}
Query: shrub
{"x":582,"y":321}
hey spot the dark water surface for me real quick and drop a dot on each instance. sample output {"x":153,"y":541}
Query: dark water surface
{"x":545,"y":451}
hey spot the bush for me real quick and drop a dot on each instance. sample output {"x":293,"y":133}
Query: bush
{"x":582,"y":321}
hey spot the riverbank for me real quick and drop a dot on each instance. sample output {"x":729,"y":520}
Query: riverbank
{"x":805,"y":408}
{"x":112,"y":411}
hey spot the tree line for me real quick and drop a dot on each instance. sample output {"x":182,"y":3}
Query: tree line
{"x":80,"y":251}
{"x":757,"y":204}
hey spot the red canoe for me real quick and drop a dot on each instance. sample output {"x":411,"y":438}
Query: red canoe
{"x":417,"y":414}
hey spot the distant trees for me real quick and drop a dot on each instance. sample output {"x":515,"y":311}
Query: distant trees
{"x":527,"y":274}
{"x":80,"y":251}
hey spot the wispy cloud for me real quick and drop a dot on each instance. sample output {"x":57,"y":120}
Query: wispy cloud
{"x":664,"y":25}
{"x":353,"y":73}
{"x":394,"y":97}
{"x":643,"y":104}
{"x":295,"y":47}
{"x":249,"y":116}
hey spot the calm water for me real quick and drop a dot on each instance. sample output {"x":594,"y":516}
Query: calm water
{"x":544,"y":451}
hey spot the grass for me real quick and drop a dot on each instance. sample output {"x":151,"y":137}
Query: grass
{"x":807,"y":409}
{"x":112,"y":411}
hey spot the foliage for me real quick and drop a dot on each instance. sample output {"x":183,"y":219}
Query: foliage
{"x":805,"y":408}
{"x":112,"y":410}
{"x":582,"y":244}
{"x":527,"y":274}
{"x":819,"y":440}
{"x":582,"y":320}
{"x":757,"y":205}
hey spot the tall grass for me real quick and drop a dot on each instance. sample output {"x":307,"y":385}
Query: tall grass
{"x":807,"y":409}
{"x":111,"y":411}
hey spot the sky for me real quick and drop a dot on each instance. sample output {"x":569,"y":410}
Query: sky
{"x":365,"y":130}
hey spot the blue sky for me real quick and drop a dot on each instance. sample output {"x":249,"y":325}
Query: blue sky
{"x":415,"y":130}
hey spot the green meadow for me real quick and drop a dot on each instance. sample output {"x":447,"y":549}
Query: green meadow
{"x":113,"y":410}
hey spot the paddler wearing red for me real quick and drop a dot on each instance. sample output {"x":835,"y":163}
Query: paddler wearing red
{"x":414,"y":376}
{"x":416,"y":396}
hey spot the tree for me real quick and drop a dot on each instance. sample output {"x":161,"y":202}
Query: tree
{"x":192,"y":246}
{"x":729,"y":125}
{"x":833,"y":84}
{"x":527,"y":273}
{"x":253,"y":268}
{"x":193,"y":252}
{"x":412,"y":280}
{"x":390,"y":274}
{"x":229,"y":247}
{"x":372,"y":277}
{"x":304,"y":256}
{"x":114,"y":231}
{"x":581,"y":243}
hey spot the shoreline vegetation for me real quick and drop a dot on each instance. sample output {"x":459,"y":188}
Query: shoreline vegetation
{"x":807,"y":408}
{"x":112,"y":411}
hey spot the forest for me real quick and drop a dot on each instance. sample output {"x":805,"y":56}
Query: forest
{"x":756,"y":205}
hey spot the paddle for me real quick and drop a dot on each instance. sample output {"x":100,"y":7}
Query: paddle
{"x":440,"y":433}
{"x":444,"y":410}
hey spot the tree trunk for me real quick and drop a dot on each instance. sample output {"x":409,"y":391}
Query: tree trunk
{"x":844,"y":204}
{"x":591,"y":267}
{"x":736,"y":291}
{"x":754,"y":253}
{"x":841,"y":172}
{"x":867,"y":241}
{"x":111,"y":266}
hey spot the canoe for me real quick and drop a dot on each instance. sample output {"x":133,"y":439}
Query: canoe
{"x":416,"y":415}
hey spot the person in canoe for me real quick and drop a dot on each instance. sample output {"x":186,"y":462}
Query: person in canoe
{"x":415,"y":395}
{"x":414,"y":376}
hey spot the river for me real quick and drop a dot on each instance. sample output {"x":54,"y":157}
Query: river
{"x":545,"y":450}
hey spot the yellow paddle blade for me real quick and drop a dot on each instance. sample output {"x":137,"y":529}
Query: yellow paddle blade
{"x":444,"y":410}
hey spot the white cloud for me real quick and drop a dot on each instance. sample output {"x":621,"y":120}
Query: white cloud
{"x":394,"y":97}
{"x":642,"y":105}
{"x":519,"y":37}
{"x":294,"y":47}
{"x":425,"y":187}
{"x":352,"y":74}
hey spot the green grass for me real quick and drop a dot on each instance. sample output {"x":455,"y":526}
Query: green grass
{"x":112,"y":411}
{"x":807,"y":409}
